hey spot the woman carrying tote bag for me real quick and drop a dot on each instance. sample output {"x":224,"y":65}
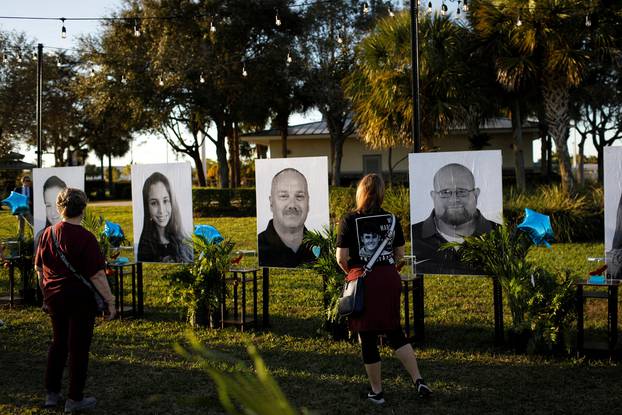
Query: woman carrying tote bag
{"x":361,"y":234}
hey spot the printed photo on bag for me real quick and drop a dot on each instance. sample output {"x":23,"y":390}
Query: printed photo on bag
{"x":370,"y":232}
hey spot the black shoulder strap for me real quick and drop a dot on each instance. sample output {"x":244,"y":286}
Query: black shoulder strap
{"x":380,"y":248}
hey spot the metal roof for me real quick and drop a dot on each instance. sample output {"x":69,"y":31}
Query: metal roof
{"x":321,"y":128}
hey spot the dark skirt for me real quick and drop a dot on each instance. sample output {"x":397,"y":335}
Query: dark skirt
{"x":383,"y":288}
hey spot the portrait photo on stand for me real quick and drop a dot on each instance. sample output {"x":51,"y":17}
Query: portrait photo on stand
{"x":613,"y":211}
{"x":47,"y":183}
{"x":292,"y":199}
{"x":162,"y":211}
{"x":452,"y":195}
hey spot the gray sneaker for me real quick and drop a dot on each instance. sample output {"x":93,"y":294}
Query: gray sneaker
{"x":85,"y":403}
{"x":52,"y":399}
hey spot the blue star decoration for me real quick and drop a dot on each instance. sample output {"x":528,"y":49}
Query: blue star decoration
{"x":208,"y":233}
{"x":17,"y":202}
{"x":538,"y":227}
{"x":114,"y":233}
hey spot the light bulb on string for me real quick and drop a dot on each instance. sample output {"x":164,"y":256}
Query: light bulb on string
{"x":202,"y":78}
{"x":365,"y":8}
{"x":289,"y":58}
{"x":92,"y":73}
{"x":519,"y":22}
{"x":465,"y":6}
{"x":443,"y":9}
{"x":429,"y":7}
{"x":244,"y":73}
{"x":19,"y":58}
{"x":588,"y":22}
{"x":136,"y":30}
{"x":123,"y":79}
{"x":161,"y":81}
{"x":391,"y":12}
{"x":63,"y":30}
{"x":277,"y":21}
{"x":212,"y":28}
{"x":458,"y":10}
{"x":59,"y":64}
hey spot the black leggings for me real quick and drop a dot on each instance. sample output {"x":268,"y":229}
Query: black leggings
{"x":369,"y":343}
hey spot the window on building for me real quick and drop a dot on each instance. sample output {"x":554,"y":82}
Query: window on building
{"x":372,"y":163}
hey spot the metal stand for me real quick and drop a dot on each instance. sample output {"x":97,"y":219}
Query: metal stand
{"x":240,"y":277}
{"x":119,"y":290}
{"x":266,"y":297}
{"x":612,"y":318}
{"x":497,"y":295}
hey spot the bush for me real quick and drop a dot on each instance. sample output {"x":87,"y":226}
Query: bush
{"x":207,"y":201}
{"x":574,"y":218}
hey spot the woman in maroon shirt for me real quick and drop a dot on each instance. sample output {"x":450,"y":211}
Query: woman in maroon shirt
{"x":360,"y":233}
{"x":70,"y":303}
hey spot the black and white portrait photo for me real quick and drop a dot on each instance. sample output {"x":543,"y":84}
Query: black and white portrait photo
{"x":162,"y":209}
{"x":452,"y":195}
{"x":613,"y":211}
{"x":47,"y":184}
{"x":292,"y":199}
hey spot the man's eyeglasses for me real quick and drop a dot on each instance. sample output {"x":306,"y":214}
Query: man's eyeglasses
{"x":460,"y":193}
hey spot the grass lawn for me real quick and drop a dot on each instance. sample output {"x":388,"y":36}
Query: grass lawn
{"x":135,"y":370}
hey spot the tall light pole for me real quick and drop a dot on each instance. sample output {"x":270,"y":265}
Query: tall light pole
{"x":39,"y":101}
{"x":414,"y":78}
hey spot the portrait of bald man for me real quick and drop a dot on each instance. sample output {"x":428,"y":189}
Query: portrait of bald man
{"x":281,"y":243}
{"x":455,"y":215}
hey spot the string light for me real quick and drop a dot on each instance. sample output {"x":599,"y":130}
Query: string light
{"x":201,"y":78}
{"x":365,"y":8}
{"x":63,"y":30}
{"x":212,"y":28}
{"x":443,"y":9}
{"x":391,"y":11}
{"x":465,"y":6}
{"x":277,"y":21}
{"x":339,"y":38}
{"x":244,"y":73}
{"x":136,"y":29}
{"x":588,"y":22}
{"x":289,"y":58}
{"x":161,"y":81}
{"x":123,"y":80}
{"x":58,"y":62}
{"x":429,"y":7}
{"x":519,"y":22}
{"x":92,"y":72}
{"x":19,"y":58}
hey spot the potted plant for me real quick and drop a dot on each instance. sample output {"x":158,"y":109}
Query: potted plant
{"x":196,"y":286}
{"x":324,"y":243}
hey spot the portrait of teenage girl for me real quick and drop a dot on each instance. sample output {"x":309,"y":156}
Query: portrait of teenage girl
{"x":162,"y":238}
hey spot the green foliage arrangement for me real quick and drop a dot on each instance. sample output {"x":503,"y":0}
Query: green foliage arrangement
{"x":248,"y":391}
{"x":196,"y":286}
{"x":541,"y":303}
{"x":327,"y":266}
{"x":95,"y":224}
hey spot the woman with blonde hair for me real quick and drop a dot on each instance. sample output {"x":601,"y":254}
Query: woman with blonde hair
{"x":381,"y":311}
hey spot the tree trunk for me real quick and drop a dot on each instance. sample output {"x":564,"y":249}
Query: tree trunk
{"x":198,"y":162}
{"x":517,"y":147}
{"x":581,"y":164}
{"x":390,"y":156}
{"x":549,"y":159}
{"x":101,"y":190}
{"x":338,"y":155}
{"x":110,"y":184}
{"x":600,"y":151}
{"x":283,"y":129}
{"x":236,"y":157}
{"x":221,"y":157}
{"x":556,"y":98}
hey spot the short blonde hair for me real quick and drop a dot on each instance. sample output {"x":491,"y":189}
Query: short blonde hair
{"x":369,"y":193}
{"x":71,"y":202}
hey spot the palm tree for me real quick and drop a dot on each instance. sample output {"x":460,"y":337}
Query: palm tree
{"x":545,"y":43}
{"x":379,"y":87}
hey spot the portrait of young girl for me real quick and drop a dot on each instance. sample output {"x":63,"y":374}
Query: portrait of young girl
{"x":163,"y":237}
